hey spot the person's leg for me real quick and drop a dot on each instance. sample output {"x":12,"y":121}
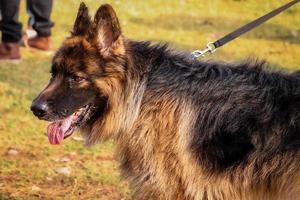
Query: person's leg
{"x":40,"y":12}
{"x":11,"y":29}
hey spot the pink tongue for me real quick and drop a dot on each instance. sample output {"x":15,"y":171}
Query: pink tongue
{"x":57,"y":130}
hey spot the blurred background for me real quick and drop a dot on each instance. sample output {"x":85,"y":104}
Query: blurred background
{"x":31,"y":168}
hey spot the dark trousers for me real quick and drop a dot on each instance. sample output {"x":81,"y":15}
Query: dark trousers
{"x":39,"y":12}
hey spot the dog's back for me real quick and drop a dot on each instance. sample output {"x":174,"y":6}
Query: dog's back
{"x":211,"y":130}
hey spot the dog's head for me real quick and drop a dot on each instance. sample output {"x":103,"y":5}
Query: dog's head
{"x":83,"y":71}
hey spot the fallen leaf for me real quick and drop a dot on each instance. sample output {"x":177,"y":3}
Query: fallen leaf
{"x":35,"y":188}
{"x":64,"y":170}
{"x":12,"y":152}
{"x":49,"y":178}
{"x":65,"y":159}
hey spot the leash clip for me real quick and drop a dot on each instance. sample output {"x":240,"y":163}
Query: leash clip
{"x":210,"y":48}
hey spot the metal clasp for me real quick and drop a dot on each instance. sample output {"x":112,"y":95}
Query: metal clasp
{"x":210,"y":48}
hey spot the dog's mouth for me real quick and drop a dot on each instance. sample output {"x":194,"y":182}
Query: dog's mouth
{"x":63,"y":128}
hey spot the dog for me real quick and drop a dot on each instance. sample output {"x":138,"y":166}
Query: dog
{"x":184,"y":129}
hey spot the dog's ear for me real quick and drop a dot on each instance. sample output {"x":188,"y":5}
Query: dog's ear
{"x":83,"y":21}
{"x":107,"y":26}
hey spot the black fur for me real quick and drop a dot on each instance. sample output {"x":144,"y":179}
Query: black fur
{"x":242,"y":109}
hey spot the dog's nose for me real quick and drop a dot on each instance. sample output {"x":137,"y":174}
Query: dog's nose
{"x":39,"y":108}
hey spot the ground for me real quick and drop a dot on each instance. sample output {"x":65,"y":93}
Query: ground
{"x":31,"y":168}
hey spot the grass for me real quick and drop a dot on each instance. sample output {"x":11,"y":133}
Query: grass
{"x":189,"y":25}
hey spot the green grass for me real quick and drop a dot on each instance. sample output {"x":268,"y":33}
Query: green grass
{"x":186,"y":25}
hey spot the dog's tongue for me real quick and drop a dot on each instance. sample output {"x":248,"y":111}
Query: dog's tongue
{"x":58,"y":129}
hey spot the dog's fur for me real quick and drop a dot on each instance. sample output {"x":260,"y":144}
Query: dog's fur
{"x":186,"y":129}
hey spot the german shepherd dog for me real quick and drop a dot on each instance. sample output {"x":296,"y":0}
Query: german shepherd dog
{"x":184,"y":129}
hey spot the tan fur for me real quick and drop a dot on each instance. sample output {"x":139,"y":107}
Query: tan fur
{"x":160,"y":148}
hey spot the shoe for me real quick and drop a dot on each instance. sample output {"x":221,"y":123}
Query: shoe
{"x":29,"y":33}
{"x":10,"y":51}
{"x":40,"y":43}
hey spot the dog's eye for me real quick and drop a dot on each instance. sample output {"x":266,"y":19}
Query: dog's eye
{"x":77,"y":79}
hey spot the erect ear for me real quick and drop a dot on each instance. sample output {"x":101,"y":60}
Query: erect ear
{"x":83,"y":21}
{"x":107,"y":26}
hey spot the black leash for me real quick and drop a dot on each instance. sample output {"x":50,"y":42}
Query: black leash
{"x":212,"y":46}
